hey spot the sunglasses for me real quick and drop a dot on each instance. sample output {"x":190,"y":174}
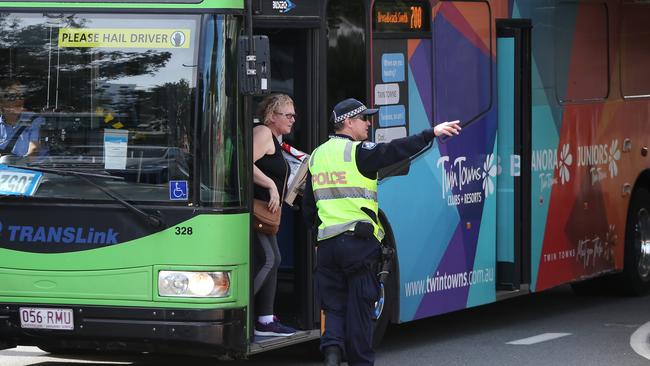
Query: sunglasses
{"x":362,"y":117}
{"x":288,"y":115}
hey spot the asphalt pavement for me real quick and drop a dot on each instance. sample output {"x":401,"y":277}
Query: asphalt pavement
{"x":555,"y":327}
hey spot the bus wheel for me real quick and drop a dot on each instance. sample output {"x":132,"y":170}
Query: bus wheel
{"x":637,"y":244}
{"x":389,"y":297}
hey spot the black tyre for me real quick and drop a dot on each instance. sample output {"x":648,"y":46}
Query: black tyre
{"x":636,"y":274}
{"x":381,"y":324}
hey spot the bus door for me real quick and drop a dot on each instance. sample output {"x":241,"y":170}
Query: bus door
{"x":293,"y":31}
{"x":513,"y":149}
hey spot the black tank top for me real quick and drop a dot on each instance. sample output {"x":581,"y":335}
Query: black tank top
{"x":275,"y":167}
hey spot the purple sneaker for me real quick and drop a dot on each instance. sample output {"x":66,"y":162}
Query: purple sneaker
{"x":273,"y":329}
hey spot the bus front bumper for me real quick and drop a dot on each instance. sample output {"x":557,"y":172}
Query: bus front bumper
{"x":197,"y":331}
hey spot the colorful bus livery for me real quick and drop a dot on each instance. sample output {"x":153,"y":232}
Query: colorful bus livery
{"x":594,"y":202}
{"x":546,"y":188}
{"x":134,"y":231}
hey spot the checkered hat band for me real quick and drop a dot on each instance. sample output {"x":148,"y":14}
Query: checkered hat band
{"x":351,"y":113}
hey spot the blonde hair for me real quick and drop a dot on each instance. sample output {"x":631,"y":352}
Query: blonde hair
{"x":270,"y":104}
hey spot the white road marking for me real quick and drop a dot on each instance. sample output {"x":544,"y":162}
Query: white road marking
{"x":538,"y":338}
{"x":640,"y":341}
{"x":22,"y":354}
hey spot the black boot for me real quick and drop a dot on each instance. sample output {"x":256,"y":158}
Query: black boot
{"x":332,"y":356}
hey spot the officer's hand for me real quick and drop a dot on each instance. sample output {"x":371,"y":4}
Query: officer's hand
{"x":274,"y":201}
{"x":447,"y":128}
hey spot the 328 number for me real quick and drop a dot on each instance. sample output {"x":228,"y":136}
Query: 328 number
{"x":183,"y":230}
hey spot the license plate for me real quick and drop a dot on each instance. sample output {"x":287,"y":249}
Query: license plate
{"x":45,"y":318}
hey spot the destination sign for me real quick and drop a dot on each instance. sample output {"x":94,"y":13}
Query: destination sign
{"x":401,"y":16}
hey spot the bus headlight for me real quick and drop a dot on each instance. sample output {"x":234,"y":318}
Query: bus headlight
{"x":193,"y":284}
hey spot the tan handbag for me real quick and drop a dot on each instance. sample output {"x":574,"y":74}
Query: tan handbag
{"x":264,"y":220}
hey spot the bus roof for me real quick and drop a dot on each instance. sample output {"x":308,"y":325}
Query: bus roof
{"x":126,"y":4}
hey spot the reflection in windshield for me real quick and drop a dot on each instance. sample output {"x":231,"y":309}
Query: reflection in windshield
{"x":113,"y":94}
{"x":221,"y":129}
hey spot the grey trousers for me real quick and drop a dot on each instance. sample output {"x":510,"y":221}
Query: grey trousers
{"x":265,"y":282}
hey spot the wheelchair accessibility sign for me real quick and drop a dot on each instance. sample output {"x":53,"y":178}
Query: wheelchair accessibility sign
{"x":178,"y":190}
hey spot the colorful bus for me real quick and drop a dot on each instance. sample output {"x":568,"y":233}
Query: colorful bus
{"x":130,"y":226}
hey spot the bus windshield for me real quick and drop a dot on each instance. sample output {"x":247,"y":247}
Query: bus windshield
{"x":108,"y":94}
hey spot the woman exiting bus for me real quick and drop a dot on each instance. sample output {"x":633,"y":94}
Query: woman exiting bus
{"x":270,"y":174}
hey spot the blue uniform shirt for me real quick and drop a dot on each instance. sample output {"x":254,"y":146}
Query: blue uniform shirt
{"x":29,"y":134}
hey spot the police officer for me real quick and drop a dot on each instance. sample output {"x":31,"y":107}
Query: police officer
{"x":341,"y":199}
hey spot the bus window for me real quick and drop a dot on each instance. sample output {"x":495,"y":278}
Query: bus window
{"x":116,"y":96}
{"x":635,"y":50}
{"x":581,"y":52}
{"x":462,"y":60}
{"x":346,"y":52}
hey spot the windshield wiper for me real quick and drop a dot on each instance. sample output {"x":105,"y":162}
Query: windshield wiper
{"x":65,"y":172}
{"x":151,"y":219}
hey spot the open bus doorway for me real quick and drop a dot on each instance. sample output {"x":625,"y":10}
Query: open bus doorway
{"x":293,"y":70}
{"x":514,"y":151}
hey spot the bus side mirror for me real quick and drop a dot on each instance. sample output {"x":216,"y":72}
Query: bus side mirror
{"x":254,"y":65}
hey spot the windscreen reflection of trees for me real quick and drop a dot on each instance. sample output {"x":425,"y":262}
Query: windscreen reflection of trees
{"x":78,"y":80}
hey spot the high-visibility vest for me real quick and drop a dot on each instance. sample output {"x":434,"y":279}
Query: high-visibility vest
{"x":340,"y":190}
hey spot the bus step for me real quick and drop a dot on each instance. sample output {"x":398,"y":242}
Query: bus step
{"x":263,"y":344}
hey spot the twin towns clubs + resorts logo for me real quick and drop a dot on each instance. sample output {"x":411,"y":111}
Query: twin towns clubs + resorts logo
{"x":460,"y":173}
{"x":549,"y":165}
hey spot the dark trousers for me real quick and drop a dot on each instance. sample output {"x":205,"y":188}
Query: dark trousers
{"x":348,"y":289}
